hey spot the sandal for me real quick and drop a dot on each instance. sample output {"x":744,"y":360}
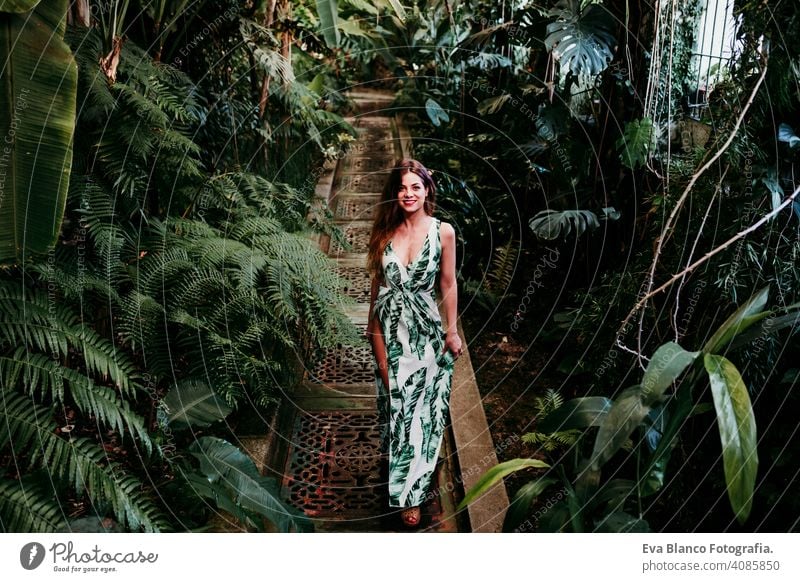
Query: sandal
{"x":411,"y":516}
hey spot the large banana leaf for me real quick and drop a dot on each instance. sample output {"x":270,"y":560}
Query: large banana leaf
{"x":328,"y":11}
{"x":37,"y":99}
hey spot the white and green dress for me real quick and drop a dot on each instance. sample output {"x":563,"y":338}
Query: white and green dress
{"x":413,"y":411}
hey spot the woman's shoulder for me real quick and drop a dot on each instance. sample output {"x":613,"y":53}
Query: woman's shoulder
{"x":446,"y":229}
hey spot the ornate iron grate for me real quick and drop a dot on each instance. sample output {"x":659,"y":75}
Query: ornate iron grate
{"x":355,"y":207}
{"x":374,"y":133}
{"x":360,"y":165}
{"x":334,"y":464}
{"x":358,"y":283}
{"x":374,"y":121}
{"x":384,"y":147}
{"x":362,"y":182}
{"x":357,"y":235}
{"x":344,"y":365}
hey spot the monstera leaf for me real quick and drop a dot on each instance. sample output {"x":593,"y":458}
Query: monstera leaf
{"x":582,"y":41}
{"x":38,"y":86}
{"x":636,"y":142}
{"x":553,"y":224}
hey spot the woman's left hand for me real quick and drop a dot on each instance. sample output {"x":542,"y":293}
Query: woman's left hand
{"x":453,"y":343}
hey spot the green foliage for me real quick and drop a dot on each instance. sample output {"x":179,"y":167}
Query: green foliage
{"x":504,"y":264}
{"x":175,"y":270}
{"x":329,"y":22}
{"x":35,"y":340}
{"x":226,"y":466}
{"x":563,"y":436}
{"x":582,"y":40}
{"x":658,"y":414}
{"x":193,"y":403}
{"x":435,"y":112}
{"x":737,"y":430}
{"x":37,"y":97}
{"x":29,"y":433}
{"x":494,"y":475}
{"x":636,"y":143}
{"x":555,"y":224}
{"x":26,"y":507}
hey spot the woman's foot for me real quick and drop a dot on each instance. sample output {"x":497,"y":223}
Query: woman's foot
{"x":411,"y":516}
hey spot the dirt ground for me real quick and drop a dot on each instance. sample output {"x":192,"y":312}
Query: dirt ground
{"x":506,"y":367}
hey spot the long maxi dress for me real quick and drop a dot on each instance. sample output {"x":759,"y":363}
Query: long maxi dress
{"x":413,"y":412}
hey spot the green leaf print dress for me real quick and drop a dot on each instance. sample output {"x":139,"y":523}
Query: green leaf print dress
{"x":414,"y":410}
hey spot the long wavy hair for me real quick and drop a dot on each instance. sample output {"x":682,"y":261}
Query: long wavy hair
{"x":389,"y":215}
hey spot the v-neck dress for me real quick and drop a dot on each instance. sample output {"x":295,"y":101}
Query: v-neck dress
{"x":413,"y":410}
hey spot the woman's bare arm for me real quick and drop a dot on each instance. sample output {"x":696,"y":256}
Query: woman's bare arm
{"x":449,"y":286}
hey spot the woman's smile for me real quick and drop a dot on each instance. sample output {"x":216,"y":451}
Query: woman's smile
{"x":411,"y":192}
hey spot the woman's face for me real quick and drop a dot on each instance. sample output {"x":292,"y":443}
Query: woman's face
{"x":411,"y":195}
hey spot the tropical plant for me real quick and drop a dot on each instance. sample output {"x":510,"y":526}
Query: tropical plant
{"x":554,"y":224}
{"x":636,"y":142}
{"x":581,"y":38}
{"x":37,"y":97}
{"x":53,"y":366}
{"x":550,"y":440}
{"x":230,"y":479}
{"x":214,"y":470}
{"x":658,"y":415}
{"x":175,"y":272}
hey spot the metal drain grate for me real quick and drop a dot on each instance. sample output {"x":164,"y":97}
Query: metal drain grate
{"x":377,"y":147}
{"x":344,"y":365}
{"x":334,"y":464}
{"x":374,"y":121}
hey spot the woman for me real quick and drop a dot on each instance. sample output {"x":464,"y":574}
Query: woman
{"x":414,"y":355}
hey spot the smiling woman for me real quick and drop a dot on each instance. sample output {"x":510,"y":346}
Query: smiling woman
{"x":414,"y":355}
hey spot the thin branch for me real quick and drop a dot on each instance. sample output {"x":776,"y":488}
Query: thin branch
{"x":695,"y":177}
{"x":694,"y":248}
{"x":710,"y":254}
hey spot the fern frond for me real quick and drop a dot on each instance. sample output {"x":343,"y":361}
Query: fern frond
{"x":25,"y":508}
{"x":39,"y":373}
{"x":79,"y":462}
{"x":551,"y":400}
{"x":503,"y":265}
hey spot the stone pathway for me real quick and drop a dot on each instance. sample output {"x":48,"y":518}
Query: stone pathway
{"x":332,"y":460}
